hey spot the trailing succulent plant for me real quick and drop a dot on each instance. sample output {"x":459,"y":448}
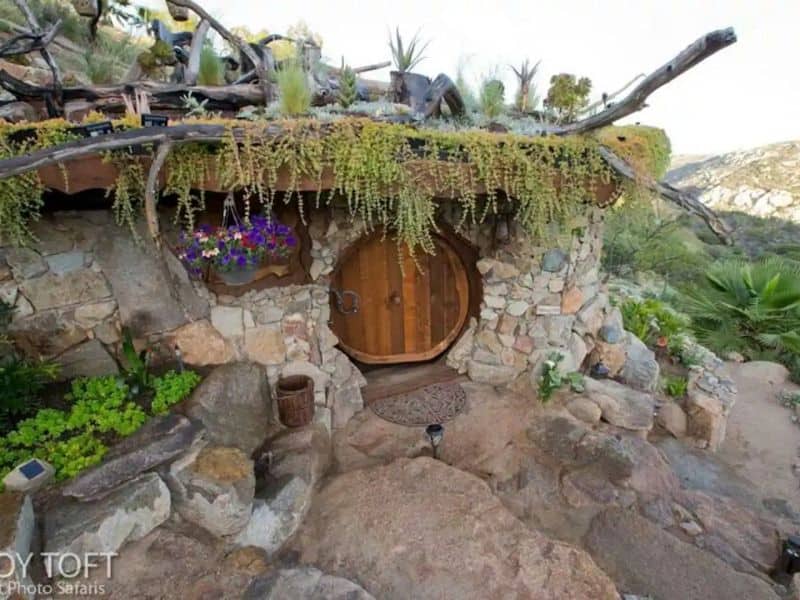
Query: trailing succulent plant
{"x":348,"y":88}
{"x":388,"y":173}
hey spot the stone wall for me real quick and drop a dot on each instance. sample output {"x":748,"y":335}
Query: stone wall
{"x":537,"y":300}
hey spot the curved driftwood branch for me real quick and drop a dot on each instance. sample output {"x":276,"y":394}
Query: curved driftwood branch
{"x":683,"y":199}
{"x":234,"y":40}
{"x":443,"y":88}
{"x":151,"y":191}
{"x":34,"y":25}
{"x":605,"y":102}
{"x":25,"y":43}
{"x":193,"y":66}
{"x":695,"y":53}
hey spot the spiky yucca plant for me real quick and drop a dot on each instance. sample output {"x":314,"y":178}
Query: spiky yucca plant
{"x":750,"y":308}
{"x":406,"y":57}
{"x":348,"y":86}
{"x":526,"y":98}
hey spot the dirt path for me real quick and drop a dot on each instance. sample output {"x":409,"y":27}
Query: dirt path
{"x":762,"y":443}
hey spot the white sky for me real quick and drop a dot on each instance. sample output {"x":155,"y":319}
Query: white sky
{"x":746,"y":95}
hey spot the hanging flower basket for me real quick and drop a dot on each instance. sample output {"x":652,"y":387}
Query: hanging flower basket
{"x":238,"y":252}
{"x":179,"y":13}
{"x":86,"y":8}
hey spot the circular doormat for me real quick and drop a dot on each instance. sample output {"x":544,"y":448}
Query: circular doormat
{"x":437,"y":403}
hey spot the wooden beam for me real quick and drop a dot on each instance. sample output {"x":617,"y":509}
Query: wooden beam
{"x":682,"y":198}
{"x":234,"y":40}
{"x":151,"y":192}
{"x":709,"y":44}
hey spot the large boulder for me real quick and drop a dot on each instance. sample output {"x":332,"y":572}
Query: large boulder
{"x":160,"y":440}
{"x":645,"y":560}
{"x":233,"y":403}
{"x":421,"y":529}
{"x":307,"y":583}
{"x":620,"y":405}
{"x":289,"y":465}
{"x":128,"y":513}
{"x":17,"y":523}
{"x":213,"y":487}
{"x":152,"y":299}
{"x":641,"y":370}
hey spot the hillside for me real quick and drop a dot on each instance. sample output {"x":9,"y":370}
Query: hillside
{"x":762,"y":182}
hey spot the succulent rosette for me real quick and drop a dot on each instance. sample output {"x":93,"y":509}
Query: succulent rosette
{"x":236,"y":247}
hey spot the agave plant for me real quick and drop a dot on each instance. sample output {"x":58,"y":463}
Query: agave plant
{"x":526,"y":95}
{"x":406,"y":57}
{"x":751,"y":308}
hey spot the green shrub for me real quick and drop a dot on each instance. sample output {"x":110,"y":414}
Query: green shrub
{"x":295,"y":96}
{"x":21,"y":382}
{"x":676,"y":386}
{"x":651,"y":319}
{"x":750,"y":308}
{"x":348,"y":86}
{"x":171,"y":388}
{"x":552,"y":378}
{"x":406,"y":57}
{"x":101,"y":404}
{"x":567,"y":96}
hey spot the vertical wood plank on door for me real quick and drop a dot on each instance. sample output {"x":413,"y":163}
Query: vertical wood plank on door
{"x":395,"y":277}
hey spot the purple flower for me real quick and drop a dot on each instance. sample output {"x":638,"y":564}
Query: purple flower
{"x":290,"y":241}
{"x":241,"y":261}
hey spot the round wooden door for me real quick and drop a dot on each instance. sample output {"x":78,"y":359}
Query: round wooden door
{"x":384,"y":314}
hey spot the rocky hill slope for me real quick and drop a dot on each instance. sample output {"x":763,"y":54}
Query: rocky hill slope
{"x":763,"y":182}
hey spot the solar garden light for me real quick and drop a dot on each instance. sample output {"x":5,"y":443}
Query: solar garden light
{"x":599,"y":371}
{"x":149,"y":120}
{"x":789,"y":560}
{"x":435,"y":434}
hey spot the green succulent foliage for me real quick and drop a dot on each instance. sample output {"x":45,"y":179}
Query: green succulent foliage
{"x":406,"y":57}
{"x":136,"y":370}
{"x":553,"y":379}
{"x":676,"y":386}
{"x":172,"y":388}
{"x":651,"y":319}
{"x":348,"y":86}
{"x":526,"y":98}
{"x":293,"y":90}
{"x":567,"y":96}
{"x":492,"y":98}
{"x":750,"y":308}
{"x":101,"y":404}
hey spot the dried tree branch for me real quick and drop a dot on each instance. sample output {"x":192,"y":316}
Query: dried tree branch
{"x":151,"y":191}
{"x":193,"y":67}
{"x":25,"y":43}
{"x":34,"y":25}
{"x":695,"y":53}
{"x":683,"y":199}
{"x":232,"y":39}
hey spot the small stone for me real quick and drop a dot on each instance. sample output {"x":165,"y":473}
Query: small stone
{"x":524,"y":344}
{"x":489,"y":340}
{"x":556,"y":285}
{"x":547,"y":310}
{"x":506,"y":340}
{"x":89,"y":315}
{"x":611,"y":355}
{"x":25,"y":263}
{"x":77,"y":287}
{"x":611,"y":334}
{"x":265,"y":345}
{"x":17,"y":525}
{"x":66,"y":262}
{"x":316,"y":268}
{"x":202,"y":345}
{"x":507,"y":324}
{"x":494,"y":302}
{"x":518,"y":308}
{"x":584,"y":410}
{"x":491,"y":374}
{"x":672,"y":418}
{"x":90,"y":359}
{"x":487,"y":314}
{"x":571,"y":301}
{"x":554,"y":260}
{"x":691,"y":528}
{"x":228,"y":320}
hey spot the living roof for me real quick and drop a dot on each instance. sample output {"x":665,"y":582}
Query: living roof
{"x":389,"y":173}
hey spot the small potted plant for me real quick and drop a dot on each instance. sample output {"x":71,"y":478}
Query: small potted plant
{"x":237,"y":252}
